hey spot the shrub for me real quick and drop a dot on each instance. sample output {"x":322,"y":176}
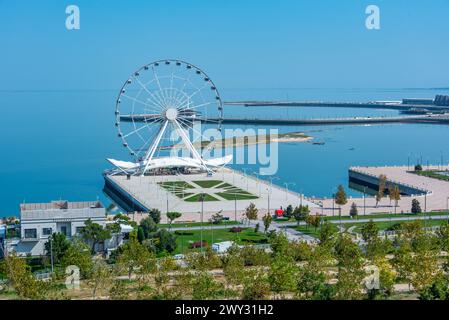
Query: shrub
{"x":183,"y":233}
{"x":395,"y":227}
{"x":198,"y":244}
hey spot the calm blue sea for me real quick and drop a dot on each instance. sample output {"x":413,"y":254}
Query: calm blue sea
{"x":54,"y":143}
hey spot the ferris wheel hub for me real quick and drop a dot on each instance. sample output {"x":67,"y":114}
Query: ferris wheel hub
{"x":171,"y":114}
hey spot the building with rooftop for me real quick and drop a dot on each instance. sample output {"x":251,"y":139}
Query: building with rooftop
{"x":39,"y":220}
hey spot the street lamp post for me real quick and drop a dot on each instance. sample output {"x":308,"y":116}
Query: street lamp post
{"x":51,"y":252}
{"x":364,"y":200}
{"x":235,"y":207}
{"x":202,"y":225}
{"x":286,"y":188}
{"x":246,"y":176}
{"x":333,"y":205}
{"x":447,"y":208}
{"x":269,"y":191}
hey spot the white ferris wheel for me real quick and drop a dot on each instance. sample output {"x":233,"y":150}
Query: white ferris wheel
{"x":159,"y":107}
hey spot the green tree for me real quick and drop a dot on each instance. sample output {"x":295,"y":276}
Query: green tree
{"x":22,"y":280}
{"x":313,"y":280}
{"x":205,"y":287}
{"x":155,"y":214}
{"x":438,"y":290}
{"x":314,"y":221}
{"x":233,"y":265}
{"x":251,"y":212}
{"x":288,"y":213}
{"x":443,"y":236}
{"x":340,"y":197}
{"x":354,"y":212}
{"x":122,"y":218}
{"x":146,"y":228}
{"x":404,"y":262}
{"x":312,"y":285}
{"x":416,"y":207}
{"x":279,"y":243}
{"x":134,"y":256}
{"x":267,"y":219}
{"x":425,"y":266}
{"x":94,"y":234}
{"x":164,"y":241}
{"x":173,"y":216}
{"x":255,"y":285}
{"x":101,"y":278}
{"x":78,"y":254}
{"x":370,"y":231}
{"x":327,"y":233}
{"x":59,"y":243}
{"x":381,"y":191}
{"x":350,"y":269}
{"x":282,"y":274}
{"x":300,"y":213}
{"x":395,"y":195}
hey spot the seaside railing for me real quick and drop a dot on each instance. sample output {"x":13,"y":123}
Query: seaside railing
{"x":391,"y":181}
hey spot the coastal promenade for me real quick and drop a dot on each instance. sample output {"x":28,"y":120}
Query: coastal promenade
{"x":433,"y":195}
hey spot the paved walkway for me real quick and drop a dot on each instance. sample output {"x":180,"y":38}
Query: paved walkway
{"x":436,"y":200}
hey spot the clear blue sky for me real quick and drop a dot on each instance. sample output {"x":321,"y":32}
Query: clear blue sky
{"x":240,"y":43}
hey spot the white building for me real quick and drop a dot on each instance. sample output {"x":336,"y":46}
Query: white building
{"x":222,"y":247}
{"x":39,"y":220}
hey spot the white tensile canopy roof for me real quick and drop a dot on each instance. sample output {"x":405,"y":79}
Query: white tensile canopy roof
{"x":167,"y":162}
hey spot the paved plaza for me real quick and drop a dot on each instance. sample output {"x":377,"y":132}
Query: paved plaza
{"x":227,"y":191}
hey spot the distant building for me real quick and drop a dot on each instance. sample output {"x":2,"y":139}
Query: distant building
{"x":418,"y":101}
{"x":442,"y":100}
{"x":39,"y":220}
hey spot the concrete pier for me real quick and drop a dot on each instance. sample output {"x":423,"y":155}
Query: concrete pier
{"x":143,"y":193}
{"x":433,"y":194}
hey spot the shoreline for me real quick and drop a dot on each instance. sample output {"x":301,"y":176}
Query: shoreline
{"x":248,"y":141}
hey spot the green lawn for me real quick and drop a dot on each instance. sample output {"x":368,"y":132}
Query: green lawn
{"x":208,"y":183}
{"x":432,"y":174}
{"x":197,"y":224}
{"x":175,"y":185}
{"x":236,"y":196}
{"x":197,"y":198}
{"x":185,"y":191}
{"x":247,"y":236}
